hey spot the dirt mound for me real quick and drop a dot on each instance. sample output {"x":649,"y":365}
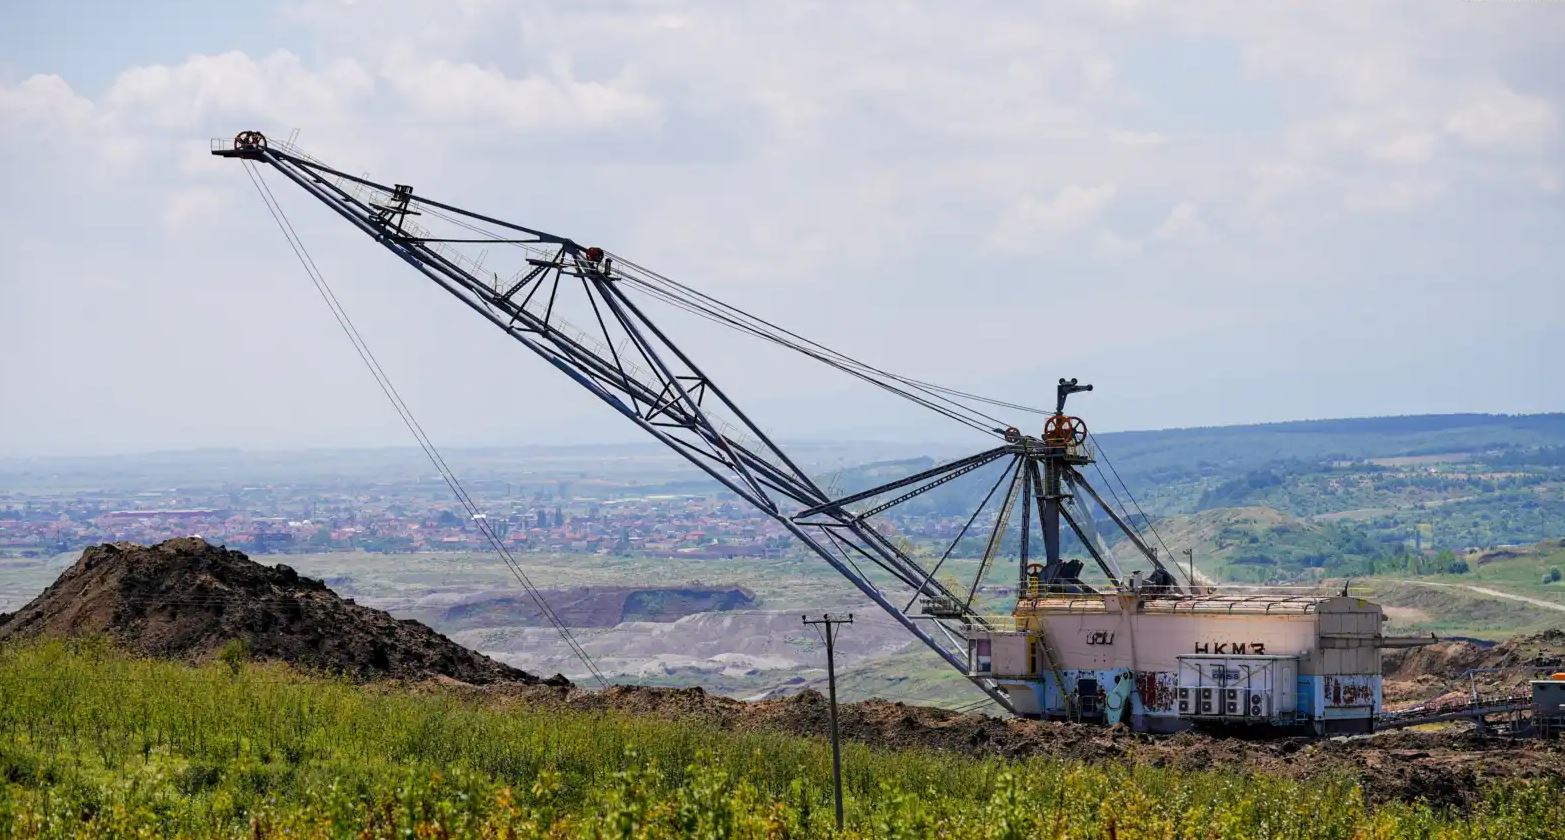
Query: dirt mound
{"x":1452,"y":659}
{"x":185,"y":599}
{"x":1451,"y":667}
{"x":1443,"y":660}
{"x":1444,"y":769}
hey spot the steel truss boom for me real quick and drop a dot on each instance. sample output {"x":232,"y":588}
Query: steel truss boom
{"x":629,"y":363}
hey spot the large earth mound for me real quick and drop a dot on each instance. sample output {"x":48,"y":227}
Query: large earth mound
{"x":186,"y":599}
{"x":1448,"y":669}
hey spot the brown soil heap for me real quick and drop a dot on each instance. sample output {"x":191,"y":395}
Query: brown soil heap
{"x":1440,"y":671}
{"x":185,"y":599}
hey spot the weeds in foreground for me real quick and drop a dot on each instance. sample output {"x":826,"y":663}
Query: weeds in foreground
{"x":97,"y":744}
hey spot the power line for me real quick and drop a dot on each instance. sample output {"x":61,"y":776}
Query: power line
{"x":953,"y":410}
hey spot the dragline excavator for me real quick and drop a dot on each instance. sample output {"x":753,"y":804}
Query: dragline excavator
{"x":539,"y":287}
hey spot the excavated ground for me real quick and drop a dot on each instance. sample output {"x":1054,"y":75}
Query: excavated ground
{"x":1446,"y":671}
{"x":185,"y":599}
{"x":1448,"y":768}
{"x":598,"y":606}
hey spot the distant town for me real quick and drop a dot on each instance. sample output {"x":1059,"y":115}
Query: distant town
{"x":284,"y":519}
{"x":280,"y":520}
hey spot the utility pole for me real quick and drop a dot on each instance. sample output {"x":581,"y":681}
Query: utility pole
{"x":829,"y":622}
{"x":1190,"y":559}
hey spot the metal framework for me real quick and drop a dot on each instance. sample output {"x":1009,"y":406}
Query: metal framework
{"x":627,"y":361}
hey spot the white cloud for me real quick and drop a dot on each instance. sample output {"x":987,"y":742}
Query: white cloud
{"x":43,"y":100}
{"x":1391,"y":197}
{"x":188,"y":204}
{"x":1111,"y":247}
{"x":1031,"y":220}
{"x":1099,"y":73}
{"x":1503,"y":117}
{"x":1137,"y":138}
{"x":458,"y":92}
{"x":1412,"y":147}
{"x":276,"y":90}
{"x":1182,"y":224}
{"x":1273,"y":181}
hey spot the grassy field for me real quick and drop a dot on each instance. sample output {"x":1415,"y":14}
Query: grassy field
{"x":1473,"y":603}
{"x":1419,"y":609}
{"x":94,"y":744}
{"x":1520,"y":570}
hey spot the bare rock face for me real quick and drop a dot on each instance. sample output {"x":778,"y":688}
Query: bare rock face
{"x":185,"y":599}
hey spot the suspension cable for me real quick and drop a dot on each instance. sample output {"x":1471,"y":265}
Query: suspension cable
{"x":772,"y":332}
{"x":954,"y":411}
{"x":475,"y":515}
{"x":1144,"y":518}
{"x":692,"y":300}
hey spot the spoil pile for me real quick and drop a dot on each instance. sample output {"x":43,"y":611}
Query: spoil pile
{"x":186,"y":599}
{"x":1445,"y":671}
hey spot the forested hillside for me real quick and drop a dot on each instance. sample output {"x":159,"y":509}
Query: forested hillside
{"x":1296,"y":500}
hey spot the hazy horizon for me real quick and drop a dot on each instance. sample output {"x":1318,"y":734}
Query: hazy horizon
{"x":642,"y":443}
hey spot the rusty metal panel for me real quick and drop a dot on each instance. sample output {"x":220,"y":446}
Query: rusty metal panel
{"x":1158,"y":690}
{"x":1346,"y":690}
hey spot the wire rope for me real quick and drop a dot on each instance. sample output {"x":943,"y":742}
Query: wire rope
{"x":1148,"y":520}
{"x":713,"y":309}
{"x":382,"y":380}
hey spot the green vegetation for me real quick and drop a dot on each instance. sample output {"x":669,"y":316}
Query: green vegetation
{"x":1531,"y":570}
{"x":94,"y":744}
{"x":1466,"y":595}
{"x":1352,"y":497}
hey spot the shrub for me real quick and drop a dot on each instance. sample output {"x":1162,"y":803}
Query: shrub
{"x":234,"y":653}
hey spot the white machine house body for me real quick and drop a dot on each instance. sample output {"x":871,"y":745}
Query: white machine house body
{"x":1166,"y":662}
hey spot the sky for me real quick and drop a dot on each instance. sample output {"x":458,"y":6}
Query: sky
{"x":1215,"y":212}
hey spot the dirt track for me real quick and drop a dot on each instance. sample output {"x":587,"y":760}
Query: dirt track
{"x":1484,"y":590}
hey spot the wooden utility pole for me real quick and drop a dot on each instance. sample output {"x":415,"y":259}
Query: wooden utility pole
{"x":829,"y":622}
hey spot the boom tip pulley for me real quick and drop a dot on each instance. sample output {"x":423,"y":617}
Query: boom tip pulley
{"x":246,"y":144}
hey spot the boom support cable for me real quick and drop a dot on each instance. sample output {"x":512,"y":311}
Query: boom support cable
{"x":476,"y":516}
{"x":951,"y":402}
{"x":1143,"y":514}
{"x":954,"y":411}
